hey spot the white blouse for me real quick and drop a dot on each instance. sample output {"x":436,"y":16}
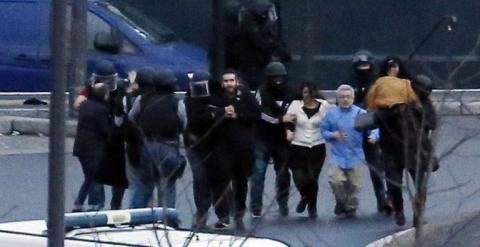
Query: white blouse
{"x":308,"y":130}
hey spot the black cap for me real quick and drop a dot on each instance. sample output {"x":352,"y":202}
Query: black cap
{"x":164,"y":77}
{"x":362,"y":56}
{"x":424,"y":81}
{"x":104,"y":68}
{"x":145,"y":77}
{"x":201,"y":75}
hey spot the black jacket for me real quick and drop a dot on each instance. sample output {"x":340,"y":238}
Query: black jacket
{"x":112,"y":168}
{"x":93,"y":129}
{"x":273,"y":105}
{"x":201,"y":122}
{"x":239,"y":132}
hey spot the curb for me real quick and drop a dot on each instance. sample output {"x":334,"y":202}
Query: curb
{"x":389,"y":239}
{"x":36,"y":125}
{"x":461,"y":230}
{"x":32,"y":126}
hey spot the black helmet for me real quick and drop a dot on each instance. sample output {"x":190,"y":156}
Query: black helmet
{"x":145,"y":77}
{"x":105,"y":72}
{"x":164,"y":78}
{"x":104,"y":68}
{"x":261,"y":6}
{"x":200,"y":76}
{"x":362,"y":56}
{"x":231,"y":9}
{"x":275,"y":69}
{"x":424,"y":82}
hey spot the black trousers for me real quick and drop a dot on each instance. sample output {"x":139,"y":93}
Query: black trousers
{"x":306,"y":164}
{"x":376,"y":166}
{"x":402,"y":142}
{"x":395,"y":162}
{"x":201,"y":164}
{"x":231,"y":167}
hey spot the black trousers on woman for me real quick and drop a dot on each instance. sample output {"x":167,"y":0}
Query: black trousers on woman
{"x":306,"y":164}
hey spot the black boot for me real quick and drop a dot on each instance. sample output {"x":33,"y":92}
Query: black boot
{"x":302,"y":204}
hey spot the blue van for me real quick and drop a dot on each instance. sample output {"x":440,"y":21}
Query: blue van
{"x":121,"y":35}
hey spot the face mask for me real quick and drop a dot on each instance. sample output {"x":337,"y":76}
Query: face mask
{"x":276,"y":81}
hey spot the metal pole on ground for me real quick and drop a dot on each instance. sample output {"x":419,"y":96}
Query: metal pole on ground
{"x":56,"y":158}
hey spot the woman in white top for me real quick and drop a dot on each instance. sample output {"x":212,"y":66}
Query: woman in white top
{"x":307,"y":150}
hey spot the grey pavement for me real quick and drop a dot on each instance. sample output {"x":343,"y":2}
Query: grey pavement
{"x":454,"y":191}
{"x":28,"y":144}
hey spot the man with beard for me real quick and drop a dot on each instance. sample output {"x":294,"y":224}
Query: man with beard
{"x":364,"y":76}
{"x":274,"y":97}
{"x":232,"y":142}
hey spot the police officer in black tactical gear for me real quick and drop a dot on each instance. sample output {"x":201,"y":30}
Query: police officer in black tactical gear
{"x":252,"y":39}
{"x":274,"y":97}
{"x":198,"y":141}
{"x":143,"y":83}
{"x":364,"y":75}
{"x":161,"y":118}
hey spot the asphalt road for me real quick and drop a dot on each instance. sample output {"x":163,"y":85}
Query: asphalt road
{"x":454,"y":191}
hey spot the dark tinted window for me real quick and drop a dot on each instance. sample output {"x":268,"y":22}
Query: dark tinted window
{"x":95,"y":25}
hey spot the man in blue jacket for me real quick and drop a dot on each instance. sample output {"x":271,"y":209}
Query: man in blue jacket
{"x":346,"y":152}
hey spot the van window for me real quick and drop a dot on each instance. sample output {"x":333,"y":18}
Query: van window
{"x":95,"y":25}
{"x":154,"y":31}
{"x":18,"y":14}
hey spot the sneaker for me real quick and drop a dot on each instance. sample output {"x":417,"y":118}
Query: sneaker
{"x":256,"y":215}
{"x":283,"y":210}
{"x":222,"y":224}
{"x":339,"y":209}
{"x":302,"y":204}
{"x":400,"y":218}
